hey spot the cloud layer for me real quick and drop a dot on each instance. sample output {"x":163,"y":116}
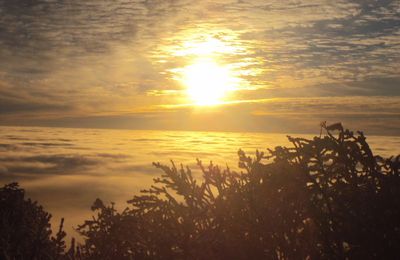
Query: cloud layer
{"x":67,"y":169}
{"x":99,"y":61}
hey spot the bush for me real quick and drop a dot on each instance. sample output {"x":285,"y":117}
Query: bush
{"x":25,"y":231}
{"x":326,"y":198}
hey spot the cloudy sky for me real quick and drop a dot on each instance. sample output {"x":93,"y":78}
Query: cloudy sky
{"x":119,"y":64}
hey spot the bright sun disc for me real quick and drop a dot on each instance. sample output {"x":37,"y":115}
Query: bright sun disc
{"x":207,"y":82}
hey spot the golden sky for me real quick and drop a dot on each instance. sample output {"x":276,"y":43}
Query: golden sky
{"x":280,"y":66}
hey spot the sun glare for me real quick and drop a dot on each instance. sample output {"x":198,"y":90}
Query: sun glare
{"x":207,"y":78}
{"x":207,"y":82}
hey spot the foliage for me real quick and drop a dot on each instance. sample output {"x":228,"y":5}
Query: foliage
{"x":326,"y":198}
{"x":110,"y":235}
{"x":25,"y":231}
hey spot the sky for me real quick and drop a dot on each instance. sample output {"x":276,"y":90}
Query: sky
{"x":286,"y":65}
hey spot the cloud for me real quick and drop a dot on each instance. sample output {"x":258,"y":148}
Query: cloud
{"x":111,"y":64}
{"x":115,"y":164}
{"x":7,"y":147}
{"x":9,"y":106}
{"x":14,"y":100}
{"x":47,"y":164}
{"x":36,"y":27}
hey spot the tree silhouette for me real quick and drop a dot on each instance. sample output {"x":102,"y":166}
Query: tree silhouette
{"x":25,"y":231}
{"x":328,"y":197}
{"x":324,"y":198}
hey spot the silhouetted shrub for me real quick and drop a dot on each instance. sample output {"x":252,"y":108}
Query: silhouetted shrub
{"x":109,"y":235}
{"x":325,"y":198}
{"x":25,"y":231}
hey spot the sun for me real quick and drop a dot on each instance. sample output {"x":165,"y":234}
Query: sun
{"x":207,"y":82}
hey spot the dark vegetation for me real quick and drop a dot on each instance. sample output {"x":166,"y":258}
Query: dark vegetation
{"x":326,"y":198}
{"x":25,"y":231}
